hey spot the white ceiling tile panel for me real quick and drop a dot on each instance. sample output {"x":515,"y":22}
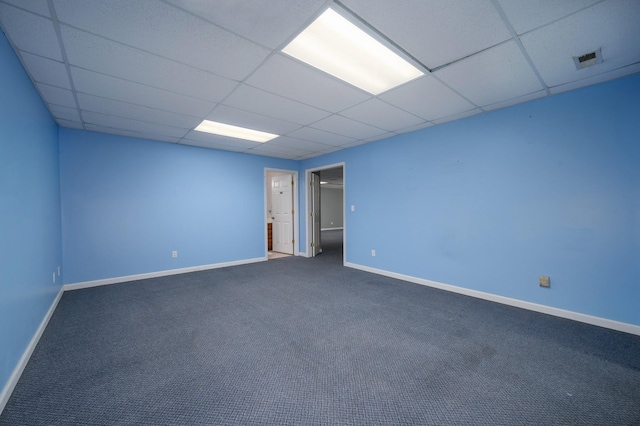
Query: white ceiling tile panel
{"x":427,"y":98}
{"x":435,"y":32}
{"x":286,"y":141}
{"x":294,"y":80}
{"x":458,"y":116}
{"x":612,"y":25}
{"x":514,"y":101}
{"x":141,"y":113}
{"x":320,"y":136}
{"x":56,"y":96}
{"x":126,"y":91}
{"x":38,"y":6}
{"x":493,"y":75}
{"x":131,"y":133}
{"x":255,"y":100}
{"x":69,"y":124}
{"x":414,"y":128}
{"x":211,"y":145}
{"x":269,"y":23}
{"x":98,"y":54}
{"x":30,"y":32}
{"x":525,"y":15}
{"x":237,"y":117}
{"x":131,"y":125}
{"x":166,"y":31}
{"x":599,"y":78}
{"x":347,"y":127}
{"x":266,"y":148}
{"x":382,"y":115}
{"x":64,"y":113}
{"x":47,"y":71}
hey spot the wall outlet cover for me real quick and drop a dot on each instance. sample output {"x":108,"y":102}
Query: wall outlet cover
{"x":544,"y":281}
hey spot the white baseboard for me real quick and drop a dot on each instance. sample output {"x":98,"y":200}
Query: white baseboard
{"x":576,"y":316}
{"x":123,"y":279}
{"x":332,"y":229}
{"x":24,"y":359}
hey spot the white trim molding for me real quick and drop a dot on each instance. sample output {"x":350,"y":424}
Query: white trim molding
{"x":576,"y":316}
{"x":127,"y":278}
{"x":26,"y":355}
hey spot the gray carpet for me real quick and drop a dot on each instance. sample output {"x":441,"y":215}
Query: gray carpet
{"x":309,"y":342}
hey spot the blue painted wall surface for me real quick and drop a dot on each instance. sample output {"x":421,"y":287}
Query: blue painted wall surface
{"x":128,"y":203}
{"x":489,"y":203}
{"x":30,"y":245}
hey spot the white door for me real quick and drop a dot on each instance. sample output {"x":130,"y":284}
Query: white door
{"x":282,"y":213}
{"x":316,"y":245}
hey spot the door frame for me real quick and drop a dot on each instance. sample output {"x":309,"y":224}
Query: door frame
{"x":308,"y":204}
{"x":296,"y":222}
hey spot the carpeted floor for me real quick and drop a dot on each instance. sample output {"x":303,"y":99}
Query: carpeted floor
{"x":309,"y":342}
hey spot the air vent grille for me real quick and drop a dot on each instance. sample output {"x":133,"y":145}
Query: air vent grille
{"x":588,"y":59}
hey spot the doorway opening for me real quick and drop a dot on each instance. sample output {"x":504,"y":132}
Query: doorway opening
{"x":325,"y":199}
{"x":281,"y":220}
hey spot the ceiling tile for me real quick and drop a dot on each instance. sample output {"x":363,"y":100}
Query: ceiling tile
{"x":294,"y":80}
{"x":237,"y":117}
{"x":266,"y":149}
{"x":38,"y":6}
{"x":64,"y":113}
{"x":126,"y":91}
{"x":514,"y":101}
{"x":458,"y":116}
{"x":267,"y":23}
{"x":255,"y":100}
{"x":347,"y":127}
{"x":130,"y":133}
{"x":414,"y":128}
{"x":30,"y":32}
{"x":320,"y":136}
{"x":70,"y":124}
{"x":599,"y":78}
{"x":525,"y":15}
{"x":611,"y":25}
{"x":286,"y":141}
{"x":56,"y":96}
{"x":137,"y":112}
{"x":382,"y":115}
{"x":211,"y":145}
{"x":166,"y":31}
{"x":95,"y":53}
{"x":427,"y":98}
{"x":131,"y":125}
{"x":435,"y":32}
{"x":491,"y":76}
{"x":47,"y":71}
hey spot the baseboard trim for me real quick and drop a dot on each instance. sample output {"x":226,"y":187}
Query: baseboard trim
{"x":26,"y":355}
{"x":123,"y":279}
{"x":340,"y":228}
{"x":576,"y":316}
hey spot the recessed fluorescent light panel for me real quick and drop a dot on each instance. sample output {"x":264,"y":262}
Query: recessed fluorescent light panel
{"x":336,"y":46}
{"x":234,"y":131}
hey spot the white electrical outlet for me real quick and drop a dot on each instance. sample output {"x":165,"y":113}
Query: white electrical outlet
{"x":353,"y":208}
{"x":174,"y":253}
{"x":373,"y":253}
{"x":58,"y":271}
{"x":54,"y":277}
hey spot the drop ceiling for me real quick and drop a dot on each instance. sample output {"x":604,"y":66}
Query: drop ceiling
{"x":155,"y":69}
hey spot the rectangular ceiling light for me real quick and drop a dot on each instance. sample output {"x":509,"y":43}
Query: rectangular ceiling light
{"x":234,"y":131}
{"x":336,"y":46}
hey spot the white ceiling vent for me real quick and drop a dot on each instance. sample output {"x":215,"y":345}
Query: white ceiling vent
{"x":588,"y":59}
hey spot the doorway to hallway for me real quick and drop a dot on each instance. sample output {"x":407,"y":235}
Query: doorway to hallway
{"x":325,"y":225}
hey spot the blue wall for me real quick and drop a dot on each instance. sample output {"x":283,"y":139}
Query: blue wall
{"x":128,"y":203}
{"x":30,"y":247}
{"x":489,"y":203}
